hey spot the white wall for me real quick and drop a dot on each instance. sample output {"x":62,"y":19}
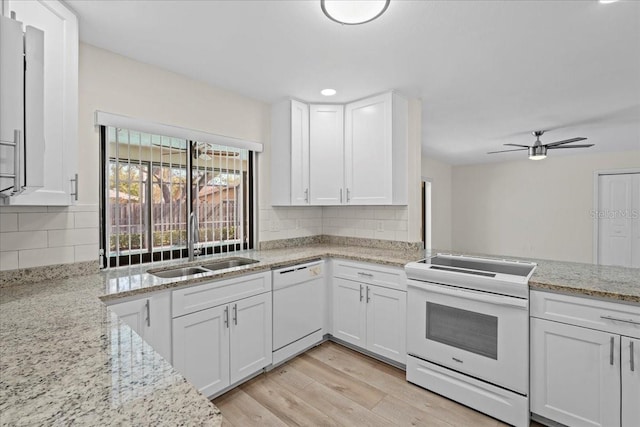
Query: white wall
{"x":440,"y":176}
{"x":539,"y":209}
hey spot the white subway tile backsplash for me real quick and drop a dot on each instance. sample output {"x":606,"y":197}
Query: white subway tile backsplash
{"x":8,"y":222}
{"x":86,"y":219}
{"x":85,"y":252}
{"x":34,"y":257}
{"x":15,"y":241}
{"x":45,"y":221}
{"x":77,"y":236}
{"x":9,"y":260}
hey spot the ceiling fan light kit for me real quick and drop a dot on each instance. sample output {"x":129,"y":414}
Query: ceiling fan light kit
{"x":538,"y":150}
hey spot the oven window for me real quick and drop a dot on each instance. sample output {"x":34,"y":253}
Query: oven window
{"x":463,"y":329}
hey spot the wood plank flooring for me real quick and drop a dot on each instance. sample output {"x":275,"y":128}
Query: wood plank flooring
{"x":331,"y":385}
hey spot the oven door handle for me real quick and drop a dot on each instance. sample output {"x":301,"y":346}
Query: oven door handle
{"x":478,"y":296}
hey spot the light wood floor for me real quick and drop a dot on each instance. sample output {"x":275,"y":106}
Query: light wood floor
{"x":332,"y":385}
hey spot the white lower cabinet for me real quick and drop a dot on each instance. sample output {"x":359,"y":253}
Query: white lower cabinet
{"x":630,"y":375}
{"x":584,"y":364}
{"x":149,"y":317}
{"x":219,"y":346}
{"x":370,"y":317}
{"x":575,"y":374}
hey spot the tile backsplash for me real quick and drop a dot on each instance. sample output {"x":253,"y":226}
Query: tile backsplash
{"x":372,"y":222}
{"x":32,"y":236}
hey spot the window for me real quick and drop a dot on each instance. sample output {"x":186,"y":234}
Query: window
{"x":152,"y":184}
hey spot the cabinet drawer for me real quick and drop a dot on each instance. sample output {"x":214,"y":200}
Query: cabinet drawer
{"x":389,"y":277}
{"x":200,"y":297}
{"x":606,"y":316}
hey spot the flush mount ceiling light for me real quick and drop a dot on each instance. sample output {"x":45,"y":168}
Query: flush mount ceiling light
{"x":353,"y":12}
{"x":328,"y":92}
{"x":607,"y":1}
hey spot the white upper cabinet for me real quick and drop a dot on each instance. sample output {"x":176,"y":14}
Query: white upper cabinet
{"x":351,"y":155}
{"x":326,"y":163}
{"x":60,"y":123}
{"x":290,"y":153}
{"x":376,"y":144}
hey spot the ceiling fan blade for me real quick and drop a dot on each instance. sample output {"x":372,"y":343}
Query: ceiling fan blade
{"x":517,"y":145}
{"x":565,"y":141}
{"x":571,"y":146}
{"x":505,"y":151}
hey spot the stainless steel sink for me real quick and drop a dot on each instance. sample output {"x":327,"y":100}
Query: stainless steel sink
{"x":228,"y":263}
{"x":209,"y":267}
{"x":177,"y":272}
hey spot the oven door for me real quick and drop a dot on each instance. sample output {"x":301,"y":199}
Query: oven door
{"x":480,"y":334}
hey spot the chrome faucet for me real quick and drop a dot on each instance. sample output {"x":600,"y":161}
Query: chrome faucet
{"x":194,"y":234}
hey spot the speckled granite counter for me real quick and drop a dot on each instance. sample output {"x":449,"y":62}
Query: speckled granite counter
{"x":615,"y":283}
{"x":66,"y":359}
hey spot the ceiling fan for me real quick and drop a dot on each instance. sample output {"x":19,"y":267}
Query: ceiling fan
{"x":538,"y":150}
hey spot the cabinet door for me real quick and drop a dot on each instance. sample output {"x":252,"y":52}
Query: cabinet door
{"x":60,"y":26}
{"x":386,"y":322}
{"x":368,"y":151}
{"x":349,"y":312}
{"x":326,"y":165}
{"x":250,"y":335}
{"x":11,"y":101}
{"x":201,"y":348}
{"x":630,"y":368}
{"x":151,"y":319}
{"x":133,"y":313}
{"x":575,"y":374}
{"x":299,"y":153}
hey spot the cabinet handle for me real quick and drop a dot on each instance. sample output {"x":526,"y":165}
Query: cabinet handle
{"x":611,"y":351}
{"x":631,"y":361}
{"x":368,"y":299}
{"x":235,"y":314}
{"x":615,"y":319}
{"x":360,"y":293}
{"x":360,"y":273}
{"x":306,"y":195}
{"x":147,"y":306}
{"x":341,"y":195}
{"x":226,"y":316}
{"x":348,"y":196}
{"x":75,"y":187}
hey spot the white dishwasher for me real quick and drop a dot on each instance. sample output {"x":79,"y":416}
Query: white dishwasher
{"x":298,"y":304}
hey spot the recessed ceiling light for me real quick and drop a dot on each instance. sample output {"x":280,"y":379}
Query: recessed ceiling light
{"x":328,"y":92}
{"x":607,"y":1}
{"x":353,"y":12}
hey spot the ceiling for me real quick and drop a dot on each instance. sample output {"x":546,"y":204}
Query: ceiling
{"x":488,"y":72}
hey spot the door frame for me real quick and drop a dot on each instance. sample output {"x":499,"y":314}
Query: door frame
{"x":596,"y":201}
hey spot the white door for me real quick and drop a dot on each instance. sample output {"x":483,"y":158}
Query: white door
{"x":619,"y":219}
{"x":575,"y":374}
{"x":630,"y":368}
{"x":326,"y":166}
{"x":250,"y":336}
{"x":201,"y":348}
{"x":349,"y":312}
{"x":299,"y":153}
{"x":386,"y":322}
{"x":368,"y":151}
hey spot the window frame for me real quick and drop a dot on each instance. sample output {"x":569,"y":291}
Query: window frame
{"x":150,"y":255}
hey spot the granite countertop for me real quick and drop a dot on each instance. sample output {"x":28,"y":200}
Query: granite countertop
{"x":66,"y":358}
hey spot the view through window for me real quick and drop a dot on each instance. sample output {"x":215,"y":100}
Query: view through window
{"x":153,"y":183}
